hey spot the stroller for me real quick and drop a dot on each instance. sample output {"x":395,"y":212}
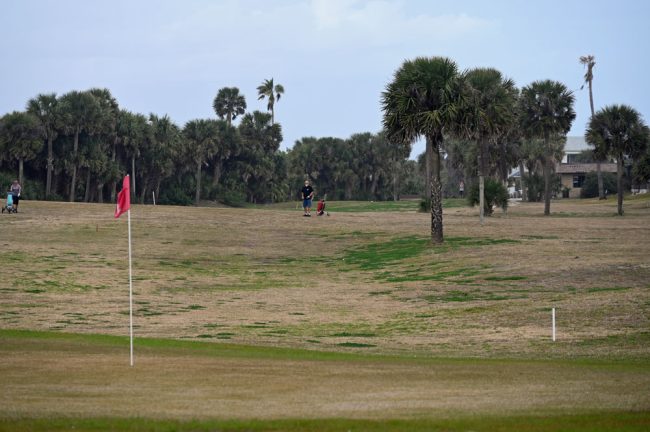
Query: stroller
{"x":9,"y":206}
{"x":320,"y":209}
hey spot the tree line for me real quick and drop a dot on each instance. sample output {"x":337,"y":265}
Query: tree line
{"x":77,"y":147}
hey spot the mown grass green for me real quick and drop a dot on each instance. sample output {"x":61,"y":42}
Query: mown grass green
{"x":577,"y":422}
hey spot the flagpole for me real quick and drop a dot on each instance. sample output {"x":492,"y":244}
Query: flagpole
{"x":130,"y":290}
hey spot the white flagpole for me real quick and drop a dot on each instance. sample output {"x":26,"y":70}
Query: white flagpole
{"x":130,"y":290}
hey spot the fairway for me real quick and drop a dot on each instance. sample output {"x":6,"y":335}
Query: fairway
{"x":260,"y":314}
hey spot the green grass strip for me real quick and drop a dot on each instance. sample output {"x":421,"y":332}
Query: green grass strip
{"x":583,"y":422}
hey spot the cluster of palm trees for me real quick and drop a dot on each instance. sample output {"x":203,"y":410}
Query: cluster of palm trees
{"x":430,"y":97}
{"x":86,"y":142}
{"x":78,"y":145}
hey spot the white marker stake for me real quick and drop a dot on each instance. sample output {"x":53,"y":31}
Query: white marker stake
{"x":553,"y":319}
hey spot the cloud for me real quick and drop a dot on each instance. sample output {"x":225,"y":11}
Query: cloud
{"x":386,"y":23}
{"x":305,"y":25}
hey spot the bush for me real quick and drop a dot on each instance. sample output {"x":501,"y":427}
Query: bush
{"x":234,"y":198}
{"x":590,"y":185}
{"x":425,"y":205}
{"x":496,"y":194}
{"x":535,"y":186}
{"x":175,"y":195}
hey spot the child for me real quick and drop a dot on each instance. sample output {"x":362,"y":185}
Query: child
{"x":320,"y":209}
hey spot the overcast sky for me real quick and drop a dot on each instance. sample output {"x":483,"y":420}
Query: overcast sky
{"x":333,"y":57}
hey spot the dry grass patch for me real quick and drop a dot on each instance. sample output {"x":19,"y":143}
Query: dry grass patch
{"x":272,"y":277}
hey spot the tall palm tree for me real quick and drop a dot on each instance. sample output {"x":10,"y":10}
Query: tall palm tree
{"x":229,"y":104}
{"x":133,"y":132}
{"x":422,"y":101}
{"x":45,"y":108}
{"x":80,"y":111}
{"x":618,"y":131}
{"x":546,"y":111}
{"x":486,"y":115}
{"x":273,"y":93}
{"x":589,"y":62}
{"x":166,"y":139}
{"x":200,"y":138}
{"x":106,"y":133}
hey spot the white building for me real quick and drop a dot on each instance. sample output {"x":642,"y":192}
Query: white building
{"x":574,"y":145}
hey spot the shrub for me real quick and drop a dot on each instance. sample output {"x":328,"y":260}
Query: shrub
{"x":234,"y":198}
{"x":535,"y":186}
{"x":425,"y":205}
{"x":175,"y":195}
{"x":496,"y":194}
{"x":590,"y":185}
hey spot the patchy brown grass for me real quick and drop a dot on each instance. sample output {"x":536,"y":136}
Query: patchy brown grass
{"x":275,"y":278}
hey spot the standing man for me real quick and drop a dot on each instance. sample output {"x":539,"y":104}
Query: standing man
{"x":307,"y":195}
{"x":461,"y":189}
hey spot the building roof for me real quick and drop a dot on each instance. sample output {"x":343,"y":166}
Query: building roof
{"x":579,"y":168}
{"x":576,"y":144}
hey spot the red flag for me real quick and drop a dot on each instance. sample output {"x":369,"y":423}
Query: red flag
{"x":123,"y":198}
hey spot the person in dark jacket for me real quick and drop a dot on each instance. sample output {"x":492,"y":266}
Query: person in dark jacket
{"x":307,"y":195}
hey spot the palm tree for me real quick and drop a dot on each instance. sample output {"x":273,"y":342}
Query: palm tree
{"x":546,"y":111}
{"x":229,"y":104}
{"x":166,"y":140}
{"x":200,"y":138}
{"x":44,"y":107}
{"x":486,"y":115}
{"x":133,"y":132}
{"x":106,"y":133}
{"x":618,"y":131}
{"x":80,"y":111}
{"x":272,"y":92}
{"x":589,"y":62}
{"x":260,"y":141}
{"x":20,"y":138}
{"x":422,"y":100}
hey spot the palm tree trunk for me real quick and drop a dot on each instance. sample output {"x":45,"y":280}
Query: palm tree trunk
{"x":436,"y":191}
{"x":619,"y":183}
{"x":373,"y":186}
{"x":87,"y":191}
{"x":601,"y":187}
{"x":73,"y":182}
{"x":599,"y":173}
{"x":503,"y":163}
{"x":481,"y":178}
{"x":133,"y":176}
{"x":20,"y":170}
{"x":481,"y":198}
{"x":396,"y":167}
{"x":547,"y":177}
{"x":522,"y":183}
{"x":113,"y":184}
{"x":50,"y":166}
{"x":197,"y":196}
{"x":216,"y":174}
{"x":428,"y":159}
{"x":143,"y":193}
